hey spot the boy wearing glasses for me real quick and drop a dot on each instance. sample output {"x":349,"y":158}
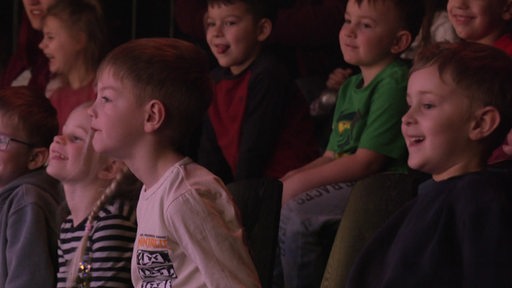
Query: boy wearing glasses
{"x":28,"y":198}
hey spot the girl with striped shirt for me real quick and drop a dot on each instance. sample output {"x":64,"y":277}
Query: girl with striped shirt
{"x":96,"y":239}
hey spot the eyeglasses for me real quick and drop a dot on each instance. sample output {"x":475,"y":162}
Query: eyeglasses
{"x":5,"y":140}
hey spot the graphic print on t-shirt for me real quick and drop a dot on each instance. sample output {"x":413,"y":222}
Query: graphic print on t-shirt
{"x":154,"y":263}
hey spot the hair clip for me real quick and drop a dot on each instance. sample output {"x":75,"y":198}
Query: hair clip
{"x":84,"y":275}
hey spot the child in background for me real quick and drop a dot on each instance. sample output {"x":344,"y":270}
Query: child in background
{"x":96,"y":239}
{"x":486,"y":22}
{"x":365,"y":137}
{"x":28,"y":66}
{"x":456,"y":232}
{"x":74,"y":42}
{"x":258,"y":123}
{"x":28,"y":198}
{"x":152,"y":96}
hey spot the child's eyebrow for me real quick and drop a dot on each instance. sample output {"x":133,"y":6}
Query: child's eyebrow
{"x":103,"y":88}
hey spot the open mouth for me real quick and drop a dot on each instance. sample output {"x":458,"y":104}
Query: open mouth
{"x":221,"y":49}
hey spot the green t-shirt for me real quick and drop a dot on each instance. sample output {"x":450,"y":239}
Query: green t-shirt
{"x":370,"y":117}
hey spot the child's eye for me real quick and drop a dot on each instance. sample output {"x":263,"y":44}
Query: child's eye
{"x":75,"y":139}
{"x":347,"y":21}
{"x":210,"y":24}
{"x":105,"y":99}
{"x":229,"y":23}
{"x":366,"y":25}
{"x":427,"y":106}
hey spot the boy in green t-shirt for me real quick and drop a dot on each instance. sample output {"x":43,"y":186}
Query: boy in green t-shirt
{"x":365,"y":137}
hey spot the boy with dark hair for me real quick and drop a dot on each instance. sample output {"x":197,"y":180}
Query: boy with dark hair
{"x":28,"y":196}
{"x":152,"y":96}
{"x":456,"y":232}
{"x":365,"y":137}
{"x":258,"y":124}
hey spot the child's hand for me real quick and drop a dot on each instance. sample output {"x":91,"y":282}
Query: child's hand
{"x":337,"y":78}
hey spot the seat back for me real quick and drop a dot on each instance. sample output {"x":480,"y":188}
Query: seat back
{"x":259,"y":203}
{"x":372,"y":201}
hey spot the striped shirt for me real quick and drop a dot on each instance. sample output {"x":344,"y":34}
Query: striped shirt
{"x":109,"y":247}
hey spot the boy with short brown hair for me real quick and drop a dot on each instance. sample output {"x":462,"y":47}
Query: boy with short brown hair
{"x":365,"y":137}
{"x":456,"y":232}
{"x":152,"y":96}
{"x":486,"y":22}
{"x":258,"y":123}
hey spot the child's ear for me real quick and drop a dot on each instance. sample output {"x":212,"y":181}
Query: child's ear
{"x":110,"y":170}
{"x":402,"y":41}
{"x":507,"y":11}
{"x":37,"y":158}
{"x":154,"y":115}
{"x":264,"y":29}
{"x":486,"y":120}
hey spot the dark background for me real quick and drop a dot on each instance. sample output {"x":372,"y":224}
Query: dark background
{"x":126,"y":19}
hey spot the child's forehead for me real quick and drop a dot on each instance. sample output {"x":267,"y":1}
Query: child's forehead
{"x":10,"y":125}
{"x":228,"y":6}
{"x":110,"y":77}
{"x":383,"y":8}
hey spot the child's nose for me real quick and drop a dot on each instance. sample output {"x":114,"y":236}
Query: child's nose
{"x":41,"y":44}
{"x":59,"y":139}
{"x":407,"y":119}
{"x":217,"y":30}
{"x":92,"y":110}
{"x":347,"y":30}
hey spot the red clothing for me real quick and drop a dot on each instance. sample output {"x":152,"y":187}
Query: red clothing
{"x":65,"y":99}
{"x":27,"y":57}
{"x":258,"y":126}
{"x":504,"y":43}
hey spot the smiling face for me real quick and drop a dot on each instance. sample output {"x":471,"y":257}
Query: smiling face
{"x":368,"y":33}
{"x":60,"y":45}
{"x":234,"y":36}
{"x":72,"y":158}
{"x":436,"y":128}
{"x":117,"y":118}
{"x":36,"y":9}
{"x":481,"y":21}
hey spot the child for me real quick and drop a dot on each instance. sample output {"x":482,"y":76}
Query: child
{"x":258,"y":124}
{"x":456,"y":233}
{"x":365,"y":137}
{"x":74,"y":42}
{"x":152,"y":96}
{"x":28,"y":198}
{"x":96,"y":239}
{"x":28,"y":66}
{"x":487,"y":22}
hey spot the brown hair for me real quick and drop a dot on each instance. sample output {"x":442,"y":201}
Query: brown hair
{"x":482,"y":71}
{"x":411,"y":12}
{"x":259,"y":9}
{"x":172,"y":71}
{"x":85,"y":16}
{"x":32,"y":112}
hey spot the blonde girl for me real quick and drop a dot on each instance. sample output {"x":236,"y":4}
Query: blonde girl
{"x":96,"y":239}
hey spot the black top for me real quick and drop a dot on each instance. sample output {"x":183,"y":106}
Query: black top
{"x":456,"y":233}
